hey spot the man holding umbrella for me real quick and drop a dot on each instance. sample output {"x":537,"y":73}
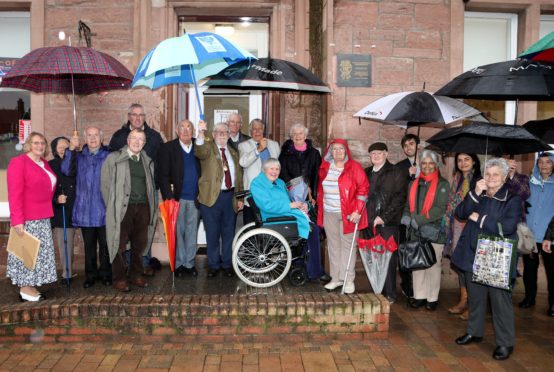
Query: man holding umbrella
{"x":385,"y":204}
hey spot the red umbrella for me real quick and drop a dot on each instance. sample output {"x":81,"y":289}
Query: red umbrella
{"x":67,"y":69}
{"x":542,"y":50}
{"x":376,"y":254}
{"x":169,"y":210}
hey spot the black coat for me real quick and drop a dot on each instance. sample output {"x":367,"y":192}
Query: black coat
{"x":66,"y":186}
{"x":549,"y":234}
{"x":387,"y":197}
{"x":170,"y":169}
{"x":504,"y":208}
{"x":405,"y":166}
{"x":153,"y":140}
{"x":296,"y":163}
{"x":235,"y":145}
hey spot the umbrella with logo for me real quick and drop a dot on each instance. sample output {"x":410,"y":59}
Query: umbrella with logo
{"x":416,"y":108}
{"x":67,"y":69}
{"x":487,"y":138}
{"x":543,"y":129}
{"x":542,"y":50}
{"x":187,"y":59}
{"x":268,"y":74}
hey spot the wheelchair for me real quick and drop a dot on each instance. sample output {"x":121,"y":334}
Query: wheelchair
{"x":265,"y":251}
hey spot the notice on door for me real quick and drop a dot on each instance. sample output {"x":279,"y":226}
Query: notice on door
{"x":221,"y":116}
{"x":354,"y":70}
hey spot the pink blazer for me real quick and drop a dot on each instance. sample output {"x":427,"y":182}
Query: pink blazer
{"x":30,"y":191}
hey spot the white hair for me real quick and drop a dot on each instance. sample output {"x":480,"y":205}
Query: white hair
{"x":269,"y":163}
{"x":296,"y":127}
{"x":501,"y":163}
{"x":431,"y":154}
{"x":221,"y":125}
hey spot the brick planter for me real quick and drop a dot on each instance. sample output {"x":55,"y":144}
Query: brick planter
{"x":205,"y":318}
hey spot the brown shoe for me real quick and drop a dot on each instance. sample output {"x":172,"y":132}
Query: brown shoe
{"x":461,"y":306}
{"x":140,"y":282}
{"x":148,"y":271}
{"x":121,"y":286}
{"x":464,"y":315}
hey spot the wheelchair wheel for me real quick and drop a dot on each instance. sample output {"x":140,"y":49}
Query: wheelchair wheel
{"x":249,"y":226}
{"x":261,"y":257}
{"x":298,"y":276}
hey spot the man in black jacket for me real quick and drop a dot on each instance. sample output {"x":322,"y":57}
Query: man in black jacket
{"x":135,"y":120}
{"x":178,"y":174}
{"x":234,"y":122}
{"x":386,"y":200}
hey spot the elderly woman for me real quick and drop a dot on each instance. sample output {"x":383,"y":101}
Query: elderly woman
{"x":427,"y":198}
{"x":31,"y":185}
{"x":491,"y":203}
{"x":341,"y":196}
{"x":271,"y":197}
{"x":466,"y":173}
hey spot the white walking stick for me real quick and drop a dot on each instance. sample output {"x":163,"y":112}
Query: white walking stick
{"x":351,"y":250}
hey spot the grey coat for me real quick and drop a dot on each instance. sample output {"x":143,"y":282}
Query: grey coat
{"x":116,"y":189}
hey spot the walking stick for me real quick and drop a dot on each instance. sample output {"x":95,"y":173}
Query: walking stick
{"x":67,"y":279}
{"x":351,"y":250}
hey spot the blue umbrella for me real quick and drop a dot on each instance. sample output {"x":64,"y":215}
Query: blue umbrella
{"x":187,"y":59}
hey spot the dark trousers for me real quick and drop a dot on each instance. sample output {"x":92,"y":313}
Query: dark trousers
{"x":219,"y":223}
{"x":313,"y":265}
{"x":530,"y":270}
{"x":134,"y":229}
{"x":502,"y":311}
{"x":405,"y":276}
{"x":248,"y":215}
{"x":93,"y":238}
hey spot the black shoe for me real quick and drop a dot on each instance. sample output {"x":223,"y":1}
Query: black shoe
{"x":468,"y":339}
{"x":229,"y":273}
{"x":325,"y":278}
{"x":180,"y":271}
{"x":432,"y":306}
{"x":502,"y":352}
{"x":550,"y":311}
{"x":526,"y":303}
{"x":414,"y":303}
{"x":212,"y":272}
{"x":107,"y":282}
{"x":88,"y":283}
{"x":408,"y":292}
{"x":192,"y":271}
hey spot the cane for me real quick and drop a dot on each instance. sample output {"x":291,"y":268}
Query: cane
{"x":67,"y":279}
{"x":351,"y":250}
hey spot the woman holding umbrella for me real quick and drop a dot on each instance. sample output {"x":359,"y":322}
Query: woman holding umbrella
{"x":487,"y":208}
{"x":466,"y":173}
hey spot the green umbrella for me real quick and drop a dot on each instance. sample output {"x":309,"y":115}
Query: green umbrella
{"x":542,"y":50}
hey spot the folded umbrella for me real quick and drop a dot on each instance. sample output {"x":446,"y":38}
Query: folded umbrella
{"x":169,"y":210}
{"x":376,"y":254}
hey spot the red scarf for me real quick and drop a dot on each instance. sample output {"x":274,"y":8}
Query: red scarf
{"x":433,"y":178}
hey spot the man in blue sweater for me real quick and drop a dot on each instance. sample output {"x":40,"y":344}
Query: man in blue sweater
{"x":178,"y":174}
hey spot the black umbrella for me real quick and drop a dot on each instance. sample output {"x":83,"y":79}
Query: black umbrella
{"x":543,"y":129}
{"x":504,"y":81}
{"x":268,"y":74}
{"x":485,"y":138}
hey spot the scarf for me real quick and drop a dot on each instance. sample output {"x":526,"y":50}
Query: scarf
{"x":301,"y":148}
{"x":433,"y":178}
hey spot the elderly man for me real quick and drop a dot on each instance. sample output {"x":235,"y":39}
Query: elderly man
{"x":234,"y":122}
{"x":178,"y":173}
{"x":253,"y":153}
{"x":221,"y":177}
{"x":135,"y":120}
{"x":128,"y":190}
{"x":89,"y":210}
{"x":385,"y":204}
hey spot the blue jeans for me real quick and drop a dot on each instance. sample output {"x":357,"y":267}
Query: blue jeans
{"x":219,"y":223}
{"x":187,"y":232}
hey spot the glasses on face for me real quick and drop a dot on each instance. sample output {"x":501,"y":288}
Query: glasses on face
{"x":235,"y":122}
{"x":137,"y":115}
{"x":339,"y":149}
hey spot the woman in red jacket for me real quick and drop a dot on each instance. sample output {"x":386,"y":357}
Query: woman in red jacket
{"x":342,"y":192}
{"x":31,"y":184}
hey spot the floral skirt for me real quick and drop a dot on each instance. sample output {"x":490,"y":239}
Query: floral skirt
{"x":45,"y":268}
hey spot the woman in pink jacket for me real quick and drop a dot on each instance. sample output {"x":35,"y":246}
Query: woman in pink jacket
{"x":342,"y":193}
{"x":31,"y":184}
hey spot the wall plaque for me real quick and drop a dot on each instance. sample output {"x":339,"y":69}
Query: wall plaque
{"x":354,"y":70}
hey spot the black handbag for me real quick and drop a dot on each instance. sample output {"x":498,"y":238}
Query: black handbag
{"x":416,"y":254}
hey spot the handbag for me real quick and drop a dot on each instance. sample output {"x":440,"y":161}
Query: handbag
{"x":494,"y":260}
{"x":525,"y":239}
{"x":416,"y":254}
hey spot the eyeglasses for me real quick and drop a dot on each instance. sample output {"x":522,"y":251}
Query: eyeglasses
{"x":137,"y":115}
{"x":339,"y":149}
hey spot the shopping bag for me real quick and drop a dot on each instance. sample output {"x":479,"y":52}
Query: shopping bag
{"x":494,"y":260}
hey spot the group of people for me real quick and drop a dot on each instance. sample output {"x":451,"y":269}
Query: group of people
{"x":110,"y":193}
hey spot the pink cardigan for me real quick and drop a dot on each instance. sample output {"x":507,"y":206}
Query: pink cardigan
{"x":30,"y":190}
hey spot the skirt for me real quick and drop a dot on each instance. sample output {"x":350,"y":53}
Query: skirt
{"x":45,"y":268}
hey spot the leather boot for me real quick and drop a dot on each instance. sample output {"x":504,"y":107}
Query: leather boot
{"x":464,"y":315}
{"x":461,"y":306}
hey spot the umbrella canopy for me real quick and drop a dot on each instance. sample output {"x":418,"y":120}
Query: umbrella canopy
{"x":269,"y":74}
{"x":52,"y":70}
{"x":187,"y":59}
{"x":504,"y":81}
{"x":416,"y":108}
{"x":376,"y":254}
{"x":169,"y":210}
{"x":486,"y":138}
{"x":542,"y":50}
{"x":543,"y":129}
